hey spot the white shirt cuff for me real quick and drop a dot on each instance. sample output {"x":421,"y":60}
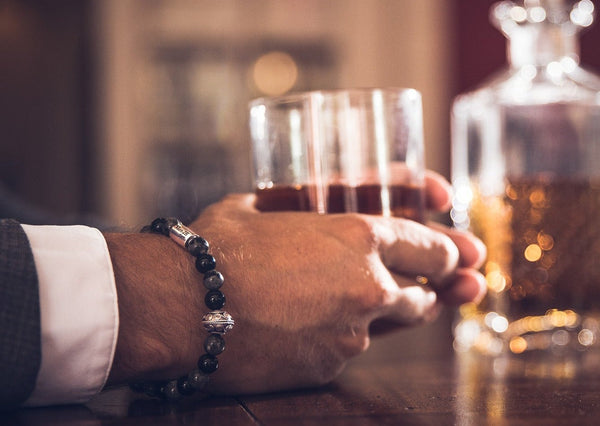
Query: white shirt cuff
{"x":79,"y":312}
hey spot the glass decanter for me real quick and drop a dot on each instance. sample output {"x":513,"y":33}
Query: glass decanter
{"x":526,"y":176}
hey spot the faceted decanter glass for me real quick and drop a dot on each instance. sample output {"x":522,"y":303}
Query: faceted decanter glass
{"x":526,"y":176}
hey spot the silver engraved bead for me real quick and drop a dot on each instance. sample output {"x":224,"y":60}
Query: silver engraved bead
{"x":217,"y":322}
{"x":180,"y":233}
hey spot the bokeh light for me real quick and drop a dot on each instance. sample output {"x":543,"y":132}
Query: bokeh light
{"x":274,"y":73}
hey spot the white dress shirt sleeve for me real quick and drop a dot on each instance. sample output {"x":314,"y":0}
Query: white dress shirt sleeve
{"x":79,"y":312}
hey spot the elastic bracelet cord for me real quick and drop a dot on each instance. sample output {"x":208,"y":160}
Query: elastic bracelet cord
{"x":217,"y":322}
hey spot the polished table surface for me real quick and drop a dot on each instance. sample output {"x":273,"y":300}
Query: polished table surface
{"x":412,"y":377}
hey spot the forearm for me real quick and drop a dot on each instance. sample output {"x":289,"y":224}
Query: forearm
{"x":158,"y":305}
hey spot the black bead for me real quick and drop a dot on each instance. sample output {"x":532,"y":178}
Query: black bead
{"x":170,"y":391}
{"x":184,"y":387}
{"x":153,"y":389}
{"x":213,"y":280}
{"x":214,"y":344}
{"x":205,"y":262}
{"x":160,"y":226}
{"x":196,"y":245}
{"x":197,"y":379}
{"x":208,"y":363}
{"x":214,"y":299}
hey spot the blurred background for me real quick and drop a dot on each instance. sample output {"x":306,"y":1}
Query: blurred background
{"x":130,"y":108}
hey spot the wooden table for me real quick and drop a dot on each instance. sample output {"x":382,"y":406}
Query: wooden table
{"x":412,"y":377}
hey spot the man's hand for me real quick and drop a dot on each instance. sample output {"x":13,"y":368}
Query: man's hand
{"x":306,"y":291}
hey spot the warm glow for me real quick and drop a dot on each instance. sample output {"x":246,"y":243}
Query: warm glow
{"x":518,"y":14}
{"x":537,"y":14}
{"x":491,"y":267}
{"x":537,"y":197}
{"x":420,"y":279}
{"x":545,"y":241}
{"x":275,"y":73}
{"x":572,"y":318}
{"x":463,"y":195}
{"x":511,"y":192}
{"x":535,"y":323}
{"x":568,"y":64}
{"x":554,"y":69}
{"x":496,"y":281}
{"x":518,"y":345}
{"x":583,"y":13}
{"x":499,"y":324}
{"x":467,"y":309}
{"x":533,"y":252}
{"x":560,"y":337}
{"x":548,"y":260}
{"x":558,"y":318}
{"x":529,"y":72}
{"x":586,"y":337}
{"x":496,"y":322}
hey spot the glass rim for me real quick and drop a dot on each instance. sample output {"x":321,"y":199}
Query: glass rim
{"x":293,"y":97}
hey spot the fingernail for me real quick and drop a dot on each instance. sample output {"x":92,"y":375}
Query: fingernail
{"x":482,"y":289}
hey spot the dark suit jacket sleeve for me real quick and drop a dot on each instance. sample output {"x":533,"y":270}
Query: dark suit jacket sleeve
{"x":20,"y":344}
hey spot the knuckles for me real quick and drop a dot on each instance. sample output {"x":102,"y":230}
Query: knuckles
{"x":357,"y":227}
{"x":444,"y":258}
{"x":374,"y":297}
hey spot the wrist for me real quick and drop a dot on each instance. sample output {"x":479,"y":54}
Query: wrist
{"x":216,"y":322}
{"x":145,"y":268}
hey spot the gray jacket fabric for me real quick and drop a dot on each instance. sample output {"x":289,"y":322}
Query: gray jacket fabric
{"x":20,"y":344}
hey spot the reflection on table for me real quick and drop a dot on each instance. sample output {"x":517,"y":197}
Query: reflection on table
{"x":410,"y":377}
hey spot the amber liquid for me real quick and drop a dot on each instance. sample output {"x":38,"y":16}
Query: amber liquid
{"x":404,"y":201}
{"x":543,"y":242}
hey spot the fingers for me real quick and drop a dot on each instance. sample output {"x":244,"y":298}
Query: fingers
{"x":420,"y":304}
{"x":415,"y":304}
{"x":406,"y":303}
{"x":447,"y":257}
{"x":471,"y":249}
{"x":438,"y":192}
{"x":410,"y":303}
{"x":409,"y":249}
{"x":468,"y":285}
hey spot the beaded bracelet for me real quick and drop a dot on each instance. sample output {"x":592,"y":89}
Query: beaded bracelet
{"x":217,"y":322}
